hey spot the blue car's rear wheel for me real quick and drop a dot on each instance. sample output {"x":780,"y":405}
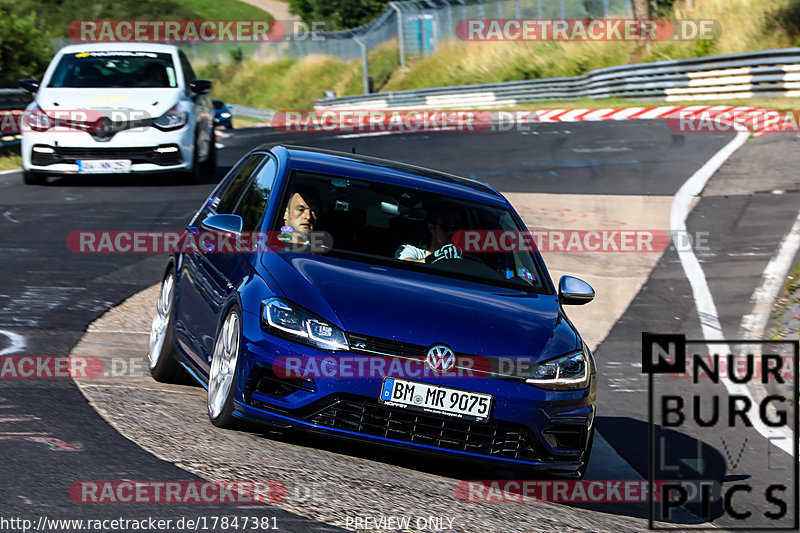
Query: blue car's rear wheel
{"x":221,"y":376}
{"x":163,"y":366}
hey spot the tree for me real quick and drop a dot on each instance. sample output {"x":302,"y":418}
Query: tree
{"x":338,"y":14}
{"x":641,"y":9}
{"x":24,"y":48}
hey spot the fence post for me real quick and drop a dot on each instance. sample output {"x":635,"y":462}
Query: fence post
{"x":400,"y":32}
{"x":563,"y":12}
{"x":539,"y":9}
{"x":605,"y":9}
{"x":517,"y":14}
{"x":364,"y":73}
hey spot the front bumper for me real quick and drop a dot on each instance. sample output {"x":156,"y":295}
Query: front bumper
{"x":529,"y":427}
{"x":149,"y":150}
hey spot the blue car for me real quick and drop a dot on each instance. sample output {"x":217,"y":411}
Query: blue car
{"x":378,"y":301}
{"x":222,"y":114}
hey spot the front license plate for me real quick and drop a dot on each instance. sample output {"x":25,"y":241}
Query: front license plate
{"x":436,"y":399}
{"x":104,"y":166}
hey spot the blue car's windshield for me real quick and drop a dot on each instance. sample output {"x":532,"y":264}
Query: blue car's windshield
{"x":410,"y":228}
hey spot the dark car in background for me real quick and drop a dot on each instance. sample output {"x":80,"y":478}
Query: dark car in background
{"x":222,"y":114}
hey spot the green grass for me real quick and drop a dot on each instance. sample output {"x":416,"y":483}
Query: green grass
{"x":10,"y":159}
{"x":225,"y":10}
{"x":747,"y":25}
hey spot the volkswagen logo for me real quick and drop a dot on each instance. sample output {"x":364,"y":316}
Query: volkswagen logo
{"x":440,"y":359}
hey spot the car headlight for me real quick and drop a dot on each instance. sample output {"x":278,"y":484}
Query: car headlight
{"x":568,"y":371}
{"x":289,"y":320}
{"x":225,"y":115}
{"x":37,"y":120}
{"x":171,"y":120}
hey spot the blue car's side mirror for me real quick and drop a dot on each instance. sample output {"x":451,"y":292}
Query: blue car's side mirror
{"x":574,"y":291}
{"x":226,"y":223}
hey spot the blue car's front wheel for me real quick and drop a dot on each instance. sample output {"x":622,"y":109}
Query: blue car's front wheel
{"x":161,"y":353}
{"x":223,"y":370}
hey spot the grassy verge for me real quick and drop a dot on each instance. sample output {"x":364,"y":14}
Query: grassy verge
{"x":227,"y":10}
{"x":291,"y":84}
{"x":244,"y":122}
{"x":747,"y":25}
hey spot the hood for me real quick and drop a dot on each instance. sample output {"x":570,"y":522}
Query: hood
{"x":153,"y":102}
{"x":424,"y":309}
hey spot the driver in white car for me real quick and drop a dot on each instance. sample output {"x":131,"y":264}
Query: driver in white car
{"x":442,"y":224}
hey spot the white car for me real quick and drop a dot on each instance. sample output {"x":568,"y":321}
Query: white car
{"x":118,"y":108}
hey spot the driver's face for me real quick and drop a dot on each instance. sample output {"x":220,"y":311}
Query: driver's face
{"x":301,"y":215}
{"x":444,"y":225}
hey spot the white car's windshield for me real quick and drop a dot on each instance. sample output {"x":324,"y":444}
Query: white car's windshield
{"x":114,"y":69}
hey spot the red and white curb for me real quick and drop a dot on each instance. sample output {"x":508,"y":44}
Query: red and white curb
{"x":759,"y":120}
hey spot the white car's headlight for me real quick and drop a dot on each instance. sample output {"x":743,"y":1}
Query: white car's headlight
{"x":171,"y":120}
{"x":568,"y":371}
{"x":289,"y":320}
{"x":37,"y":120}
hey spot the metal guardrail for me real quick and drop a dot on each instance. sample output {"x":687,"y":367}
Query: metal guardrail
{"x":12,"y":100}
{"x":251,"y":112}
{"x":769,"y":73}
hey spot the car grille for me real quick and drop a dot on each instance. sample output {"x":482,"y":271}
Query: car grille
{"x":492,"y":438}
{"x":365,"y":343}
{"x":478,"y":366}
{"x":147,"y":154}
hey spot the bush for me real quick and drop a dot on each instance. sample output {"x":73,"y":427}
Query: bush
{"x":24,"y":50}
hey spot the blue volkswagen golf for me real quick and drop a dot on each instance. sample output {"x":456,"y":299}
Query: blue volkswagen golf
{"x":378,"y":301}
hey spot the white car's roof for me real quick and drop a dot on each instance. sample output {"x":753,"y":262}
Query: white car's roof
{"x":119,"y":47}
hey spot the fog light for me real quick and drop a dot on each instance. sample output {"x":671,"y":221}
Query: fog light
{"x":166,"y":149}
{"x":43,"y":149}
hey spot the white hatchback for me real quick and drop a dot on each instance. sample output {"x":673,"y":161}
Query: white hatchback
{"x":111,"y":108}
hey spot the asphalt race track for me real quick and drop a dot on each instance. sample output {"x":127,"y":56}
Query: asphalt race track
{"x":588,"y":175}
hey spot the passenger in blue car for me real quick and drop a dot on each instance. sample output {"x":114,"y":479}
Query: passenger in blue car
{"x":443,"y":222}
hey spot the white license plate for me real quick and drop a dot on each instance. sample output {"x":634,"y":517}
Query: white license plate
{"x":436,"y":399}
{"x":104,"y":166}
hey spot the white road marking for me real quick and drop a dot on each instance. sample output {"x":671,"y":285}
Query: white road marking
{"x":368,"y":134}
{"x":16,"y":342}
{"x":3,"y":172}
{"x":704,"y":301}
{"x":754,"y":324}
{"x":11,"y":219}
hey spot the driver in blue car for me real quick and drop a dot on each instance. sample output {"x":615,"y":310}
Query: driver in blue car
{"x":300,"y":216}
{"x":442,"y":224}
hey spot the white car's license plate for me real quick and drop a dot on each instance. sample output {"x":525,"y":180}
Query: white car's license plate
{"x":103,"y":166}
{"x":436,"y":399}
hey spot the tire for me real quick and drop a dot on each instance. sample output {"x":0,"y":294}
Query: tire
{"x":222,"y":374}
{"x":33,"y":178}
{"x":161,"y":354}
{"x":209,"y":166}
{"x":194,"y":174}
